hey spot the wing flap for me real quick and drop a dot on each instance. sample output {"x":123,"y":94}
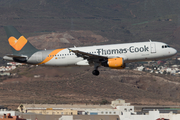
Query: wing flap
{"x":86,"y":55}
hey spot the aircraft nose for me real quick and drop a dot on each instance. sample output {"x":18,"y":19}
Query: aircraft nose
{"x":173,"y":51}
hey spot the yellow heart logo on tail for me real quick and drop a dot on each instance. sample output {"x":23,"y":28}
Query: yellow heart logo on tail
{"x":17,"y":44}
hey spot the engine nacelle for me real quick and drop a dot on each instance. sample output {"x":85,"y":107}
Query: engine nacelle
{"x":115,"y":63}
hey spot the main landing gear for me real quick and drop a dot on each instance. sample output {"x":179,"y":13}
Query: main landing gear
{"x":95,"y":71}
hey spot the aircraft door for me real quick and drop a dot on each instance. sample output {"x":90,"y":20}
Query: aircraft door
{"x":39,"y":56}
{"x":153,"y":47}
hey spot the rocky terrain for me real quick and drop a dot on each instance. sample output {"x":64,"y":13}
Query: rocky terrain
{"x":66,"y":39}
{"x":117,"y":21}
{"x":50,"y":24}
{"x":52,"y":85}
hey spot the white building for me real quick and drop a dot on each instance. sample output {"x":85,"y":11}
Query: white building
{"x":153,"y":115}
{"x":119,"y":102}
{"x":4,"y":111}
{"x":70,"y":117}
{"x":118,"y":110}
{"x":118,"y":107}
{"x":140,"y":68}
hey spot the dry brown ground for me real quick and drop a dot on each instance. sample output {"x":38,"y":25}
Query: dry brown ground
{"x":78,"y":85}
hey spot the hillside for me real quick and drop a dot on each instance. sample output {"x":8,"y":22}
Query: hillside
{"x":66,"y":39}
{"x":52,"y":24}
{"x":78,"y":85}
{"x":118,"y":21}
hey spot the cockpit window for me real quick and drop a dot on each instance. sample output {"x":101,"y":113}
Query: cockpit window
{"x":165,"y":46}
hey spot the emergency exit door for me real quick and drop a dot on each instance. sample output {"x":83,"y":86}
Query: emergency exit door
{"x":153,"y":47}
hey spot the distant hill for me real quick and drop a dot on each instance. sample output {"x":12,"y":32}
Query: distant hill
{"x":66,"y":39}
{"x":117,"y":20}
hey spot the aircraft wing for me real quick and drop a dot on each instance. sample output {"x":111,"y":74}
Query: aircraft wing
{"x":86,"y":55}
{"x":93,"y":59}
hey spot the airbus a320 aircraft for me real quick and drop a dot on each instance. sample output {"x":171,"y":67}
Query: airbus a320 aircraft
{"x":114,"y":56}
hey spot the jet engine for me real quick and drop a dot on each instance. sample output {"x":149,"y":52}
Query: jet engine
{"x":114,"y":63}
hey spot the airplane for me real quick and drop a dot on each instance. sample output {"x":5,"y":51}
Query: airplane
{"x":114,"y":56}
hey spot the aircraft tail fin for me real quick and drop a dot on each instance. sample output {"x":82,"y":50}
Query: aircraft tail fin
{"x":19,"y":44}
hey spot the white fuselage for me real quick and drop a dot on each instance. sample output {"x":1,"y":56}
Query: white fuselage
{"x":130,"y":52}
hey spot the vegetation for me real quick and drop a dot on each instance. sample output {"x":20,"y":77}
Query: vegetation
{"x":104,"y":101}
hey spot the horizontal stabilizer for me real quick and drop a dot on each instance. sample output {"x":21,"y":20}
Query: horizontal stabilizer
{"x":16,"y":56}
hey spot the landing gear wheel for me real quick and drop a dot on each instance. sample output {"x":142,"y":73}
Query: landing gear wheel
{"x":95,"y":72}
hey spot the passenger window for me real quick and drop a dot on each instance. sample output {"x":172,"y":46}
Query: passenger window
{"x":165,"y":46}
{"x":162,"y":46}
